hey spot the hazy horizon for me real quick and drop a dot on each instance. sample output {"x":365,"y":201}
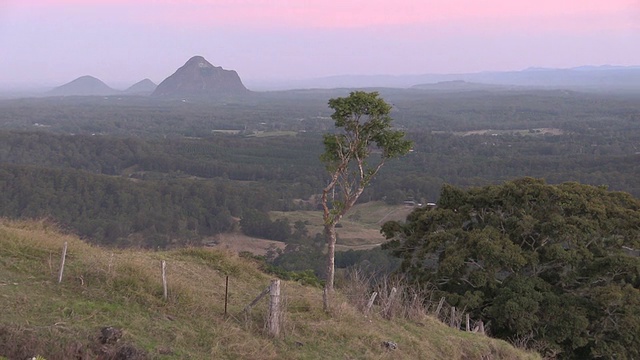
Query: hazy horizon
{"x":52,"y":42}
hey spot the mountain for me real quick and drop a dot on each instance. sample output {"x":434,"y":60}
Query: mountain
{"x":142,"y":87}
{"x":83,"y":86}
{"x":585,"y":78}
{"x":601,"y":78}
{"x":460,"y":85}
{"x":199,"y":78}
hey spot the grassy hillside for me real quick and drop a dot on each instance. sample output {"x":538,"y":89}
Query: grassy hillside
{"x":123,"y":289}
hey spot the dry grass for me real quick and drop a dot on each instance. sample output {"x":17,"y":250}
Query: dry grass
{"x":105,"y":287}
{"x":238,"y":242}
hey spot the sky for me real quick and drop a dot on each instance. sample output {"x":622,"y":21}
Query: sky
{"x":51,"y":42}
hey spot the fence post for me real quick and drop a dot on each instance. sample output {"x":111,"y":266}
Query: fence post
{"x":452,"y":321}
{"x":439,"y":307}
{"x":388,"y":311}
{"x":64,"y":256}
{"x":325,"y":299}
{"x":164,"y":280}
{"x":371,"y":300}
{"x":274,"y":308}
{"x":110,"y":264}
{"x":226,"y":295}
{"x":468,"y":325}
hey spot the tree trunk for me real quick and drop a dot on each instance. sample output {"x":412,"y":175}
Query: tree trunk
{"x":330,"y":238}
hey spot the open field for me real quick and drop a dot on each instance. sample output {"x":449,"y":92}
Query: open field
{"x":237,"y":242}
{"x":360,"y":227}
{"x":524,"y":132}
{"x":273,"y":133}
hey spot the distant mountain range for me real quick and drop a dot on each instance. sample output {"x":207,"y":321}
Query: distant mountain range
{"x":199,"y":78}
{"x":196,"y":78}
{"x":91,"y":86}
{"x":588,"y":78}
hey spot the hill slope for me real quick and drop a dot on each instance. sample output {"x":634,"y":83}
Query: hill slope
{"x":199,"y":78}
{"x":83,"y":86}
{"x":103,"y":287}
{"x":142,"y":87}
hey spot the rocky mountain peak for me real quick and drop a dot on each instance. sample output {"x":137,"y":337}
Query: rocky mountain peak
{"x":199,"y":78}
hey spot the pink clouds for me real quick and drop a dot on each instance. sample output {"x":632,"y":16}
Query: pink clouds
{"x":359,"y":13}
{"x":355,"y":13}
{"x":301,"y":38}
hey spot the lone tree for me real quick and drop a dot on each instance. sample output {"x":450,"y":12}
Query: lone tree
{"x":353,"y":155}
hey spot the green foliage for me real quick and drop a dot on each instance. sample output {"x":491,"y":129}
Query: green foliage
{"x":257,"y":223}
{"x":212,"y":259}
{"x":303,"y":255}
{"x":363,"y":124}
{"x":304,"y":277}
{"x":552,"y":261}
{"x":464,"y":139}
{"x":120,"y":212}
{"x":375,"y":262}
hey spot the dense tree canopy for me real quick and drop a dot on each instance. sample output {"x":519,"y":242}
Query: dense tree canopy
{"x":271,"y":144}
{"x":557,"y":264}
{"x":126,"y":212}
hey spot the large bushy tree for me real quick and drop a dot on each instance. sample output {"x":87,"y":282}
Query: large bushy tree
{"x":556,"y":264}
{"x":363,"y":141}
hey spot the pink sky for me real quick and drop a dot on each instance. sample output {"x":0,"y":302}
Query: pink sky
{"x":121,"y":41}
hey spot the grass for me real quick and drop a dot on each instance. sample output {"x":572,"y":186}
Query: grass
{"x":274,"y":133}
{"x":123,"y":288}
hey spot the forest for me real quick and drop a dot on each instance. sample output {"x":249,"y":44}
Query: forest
{"x":262,"y":153}
{"x":553,"y":266}
{"x":536,"y":192}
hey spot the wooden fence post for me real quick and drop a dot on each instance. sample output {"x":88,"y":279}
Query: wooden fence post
{"x":110,"y":264}
{"x":226,"y":295}
{"x":388,"y":311}
{"x":439,"y":307}
{"x":325,"y":299}
{"x":468,"y":325}
{"x":274,"y":308}
{"x":452,"y":321}
{"x":164,"y":280}
{"x":64,"y":256}
{"x":371,"y":300}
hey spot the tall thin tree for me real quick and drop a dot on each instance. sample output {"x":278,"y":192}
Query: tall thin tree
{"x":363,"y":141}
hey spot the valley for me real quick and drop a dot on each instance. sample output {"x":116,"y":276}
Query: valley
{"x":242,"y":175}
